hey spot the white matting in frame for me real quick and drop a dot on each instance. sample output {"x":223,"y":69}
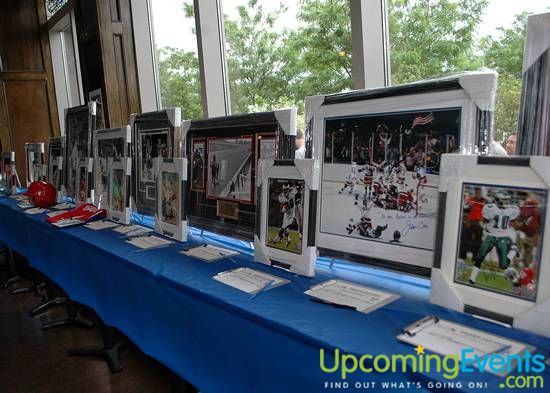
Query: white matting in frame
{"x":284,"y":236}
{"x":171,"y":188}
{"x":120,"y":172}
{"x":229,"y":168}
{"x":55,"y":161}
{"x":379,"y":156}
{"x":109,"y":146}
{"x":36,"y":168}
{"x":495,"y":256}
{"x":9,"y":172}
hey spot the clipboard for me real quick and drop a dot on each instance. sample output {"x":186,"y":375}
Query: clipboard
{"x":449,"y":338}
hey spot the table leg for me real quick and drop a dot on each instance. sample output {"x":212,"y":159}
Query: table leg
{"x":110,"y":351}
{"x":53,"y":298}
{"x":74,"y":318}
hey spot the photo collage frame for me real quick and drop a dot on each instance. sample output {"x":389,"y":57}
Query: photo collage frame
{"x":224,"y":154}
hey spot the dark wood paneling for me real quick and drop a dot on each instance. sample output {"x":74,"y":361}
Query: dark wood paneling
{"x":107,"y":56}
{"x":48,"y":67}
{"x":20,"y":46}
{"x":28,"y":114}
{"x":119,"y":63}
{"x":118,"y":47}
{"x":28,"y":109}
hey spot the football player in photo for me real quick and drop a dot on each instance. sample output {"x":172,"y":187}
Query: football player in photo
{"x":499,"y":233}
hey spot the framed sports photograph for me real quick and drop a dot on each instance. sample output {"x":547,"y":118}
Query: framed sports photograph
{"x":9,"y":172}
{"x":36,"y":166}
{"x":380,"y":152}
{"x":288,"y":192}
{"x":109,"y":146}
{"x":56,"y":155}
{"x":224,"y":154}
{"x":83,"y":179}
{"x":285,"y":202}
{"x":198,"y":164}
{"x":156,"y":135}
{"x":120,"y":172}
{"x":171,"y":212}
{"x":229,"y":168}
{"x":79,"y":124}
{"x":493,"y":254}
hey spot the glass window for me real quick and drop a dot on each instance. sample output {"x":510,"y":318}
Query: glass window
{"x":176,"y":56}
{"x":431,"y":38}
{"x":65,"y":64}
{"x":280,"y":53}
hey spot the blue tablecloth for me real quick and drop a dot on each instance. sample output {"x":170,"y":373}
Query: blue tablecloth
{"x":217,"y":337}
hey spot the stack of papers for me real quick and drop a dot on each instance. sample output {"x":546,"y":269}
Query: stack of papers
{"x":25,"y":204}
{"x":55,"y":213}
{"x":36,"y":210}
{"x":209,"y":253}
{"x":19,"y":197}
{"x":148,"y":242}
{"x":249,"y":280}
{"x":132,"y":230}
{"x":63,"y":206}
{"x":101,"y":224}
{"x":68,"y":222}
{"x":449,"y":338}
{"x":348,"y":294}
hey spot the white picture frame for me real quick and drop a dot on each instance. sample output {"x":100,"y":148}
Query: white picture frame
{"x":118,"y":206}
{"x":109,"y":146}
{"x":385,"y":236}
{"x":155,"y":135}
{"x":9,"y":172}
{"x":80,"y":122}
{"x":512,"y":283}
{"x":171,"y":217}
{"x":36,"y":168}
{"x":286,"y":221}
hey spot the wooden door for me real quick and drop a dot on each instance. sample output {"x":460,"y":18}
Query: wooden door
{"x":28,"y":110}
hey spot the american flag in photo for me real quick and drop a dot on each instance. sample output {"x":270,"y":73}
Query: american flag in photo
{"x":420,"y":121}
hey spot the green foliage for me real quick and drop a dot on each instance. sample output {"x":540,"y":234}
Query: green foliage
{"x":504,"y":53}
{"x":256,"y":58}
{"x":507,"y":106}
{"x":321,"y":48}
{"x":429,"y":38}
{"x":272,"y":68}
{"x":180,"y":85}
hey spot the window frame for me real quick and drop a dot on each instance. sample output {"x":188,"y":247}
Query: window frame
{"x":60,"y":58}
{"x":370,"y":52}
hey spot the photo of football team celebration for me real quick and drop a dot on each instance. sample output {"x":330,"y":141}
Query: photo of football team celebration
{"x":381,"y":174}
{"x":499,"y":247}
{"x":285,"y":213}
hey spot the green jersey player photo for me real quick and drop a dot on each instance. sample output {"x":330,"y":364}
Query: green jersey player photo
{"x":497,"y":260}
